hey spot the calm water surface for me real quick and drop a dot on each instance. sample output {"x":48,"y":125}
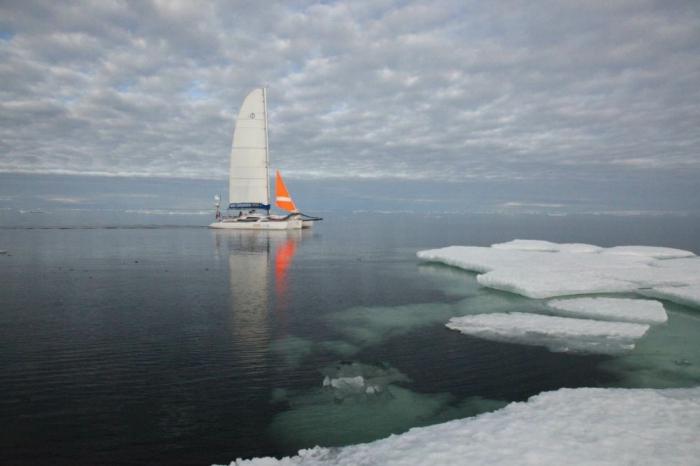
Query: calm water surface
{"x":181,"y":345}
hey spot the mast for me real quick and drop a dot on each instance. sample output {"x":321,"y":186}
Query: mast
{"x":267,"y":146}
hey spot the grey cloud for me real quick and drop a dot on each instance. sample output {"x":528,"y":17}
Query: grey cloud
{"x":446,"y":90}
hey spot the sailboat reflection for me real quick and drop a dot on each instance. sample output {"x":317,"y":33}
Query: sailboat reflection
{"x":249,"y":254}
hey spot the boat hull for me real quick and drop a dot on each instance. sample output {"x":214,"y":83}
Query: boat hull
{"x":290,"y":224}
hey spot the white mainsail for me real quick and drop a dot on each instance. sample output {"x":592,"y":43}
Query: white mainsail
{"x":248,"y":176}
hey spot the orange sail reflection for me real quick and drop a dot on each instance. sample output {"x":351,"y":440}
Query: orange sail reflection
{"x":283,"y":259}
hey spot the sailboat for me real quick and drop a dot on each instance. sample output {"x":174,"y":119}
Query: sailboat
{"x":249,"y":190}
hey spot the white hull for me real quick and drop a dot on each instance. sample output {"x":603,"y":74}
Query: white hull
{"x":263,"y":224}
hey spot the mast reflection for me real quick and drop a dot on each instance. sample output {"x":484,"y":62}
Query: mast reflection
{"x":249,"y":255}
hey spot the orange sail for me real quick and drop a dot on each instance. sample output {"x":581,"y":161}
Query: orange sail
{"x":283,"y":200}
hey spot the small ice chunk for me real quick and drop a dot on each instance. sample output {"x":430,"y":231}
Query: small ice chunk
{"x":547,"y":283}
{"x":371,"y":390}
{"x":348,"y":383}
{"x":684,"y":295}
{"x":619,"y":309}
{"x":648,"y":251}
{"x":559,"y":334}
{"x":351,"y":379}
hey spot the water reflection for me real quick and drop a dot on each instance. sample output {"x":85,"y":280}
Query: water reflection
{"x":249,"y":255}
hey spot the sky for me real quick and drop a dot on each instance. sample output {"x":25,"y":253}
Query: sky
{"x":519,"y":93}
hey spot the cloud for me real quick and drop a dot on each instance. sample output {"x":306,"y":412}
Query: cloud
{"x":449,"y":90}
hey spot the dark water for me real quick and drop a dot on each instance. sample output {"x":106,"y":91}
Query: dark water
{"x":181,"y":345}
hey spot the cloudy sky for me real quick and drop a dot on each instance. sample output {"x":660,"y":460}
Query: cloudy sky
{"x":445,"y":90}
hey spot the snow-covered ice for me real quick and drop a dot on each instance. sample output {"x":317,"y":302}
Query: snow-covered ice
{"x":540,"y":283}
{"x":538,"y":245}
{"x":481,"y":259}
{"x":540,"y":269}
{"x":567,"y":426}
{"x":685,"y":295}
{"x":559,"y":334}
{"x":649,"y":251}
{"x":619,"y":309}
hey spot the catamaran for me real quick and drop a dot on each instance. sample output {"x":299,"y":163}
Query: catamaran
{"x":249,"y":190}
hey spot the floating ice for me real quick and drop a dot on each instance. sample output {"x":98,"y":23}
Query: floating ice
{"x":618,"y":309}
{"x":567,"y":426}
{"x":352,"y":384}
{"x":559,"y":334}
{"x":540,"y":269}
{"x":685,"y":295}
{"x":690,"y":266}
{"x":480,"y":259}
{"x":539,"y":283}
{"x":649,"y":251}
{"x":538,"y":245}
{"x":348,"y":379}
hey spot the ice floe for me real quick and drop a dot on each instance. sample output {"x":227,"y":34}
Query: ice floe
{"x":547,"y":283}
{"x":685,"y":295}
{"x":559,"y":334}
{"x":649,"y":251}
{"x":644,"y":311}
{"x":540,"y":269}
{"x":567,"y":426}
{"x":547,"y":246}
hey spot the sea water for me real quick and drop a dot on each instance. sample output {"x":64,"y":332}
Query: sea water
{"x":136,"y":339}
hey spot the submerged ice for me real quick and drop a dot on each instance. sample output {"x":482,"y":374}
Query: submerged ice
{"x":356,"y":402}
